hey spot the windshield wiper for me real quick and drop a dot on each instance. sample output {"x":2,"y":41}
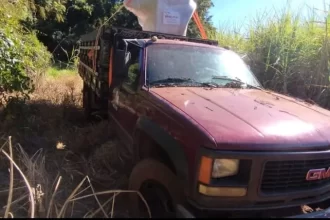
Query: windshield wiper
{"x":186,"y":81}
{"x":172,"y":80}
{"x":210,"y":84}
{"x":236,"y":80}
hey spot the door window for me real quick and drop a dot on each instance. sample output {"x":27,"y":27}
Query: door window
{"x":132,"y":80}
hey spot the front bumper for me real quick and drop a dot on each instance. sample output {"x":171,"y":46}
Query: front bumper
{"x":256,"y":199}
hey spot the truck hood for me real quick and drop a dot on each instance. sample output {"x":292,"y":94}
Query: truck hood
{"x":251,"y":117}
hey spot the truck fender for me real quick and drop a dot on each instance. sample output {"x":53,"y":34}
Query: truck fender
{"x":173,"y":149}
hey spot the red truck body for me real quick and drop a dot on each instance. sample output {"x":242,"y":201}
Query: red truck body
{"x":282,"y":144}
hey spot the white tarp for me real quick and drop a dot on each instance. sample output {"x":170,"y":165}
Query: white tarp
{"x":165,"y":16}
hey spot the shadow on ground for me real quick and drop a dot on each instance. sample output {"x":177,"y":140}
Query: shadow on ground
{"x":51,"y":138}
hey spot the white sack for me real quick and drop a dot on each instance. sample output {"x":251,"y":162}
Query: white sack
{"x":164,"y":16}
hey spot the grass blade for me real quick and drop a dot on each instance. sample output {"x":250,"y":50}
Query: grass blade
{"x":69,"y":199}
{"x":113,"y":205}
{"x":99,"y":209}
{"x":11,"y":180}
{"x":97,"y":200}
{"x":53,"y":196}
{"x":117,"y":191}
{"x":32,"y":202}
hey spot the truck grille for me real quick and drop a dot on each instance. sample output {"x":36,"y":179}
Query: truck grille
{"x":289,"y":176}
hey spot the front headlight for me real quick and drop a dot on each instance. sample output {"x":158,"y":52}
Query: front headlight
{"x":217,"y":168}
{"x":225,"y":167}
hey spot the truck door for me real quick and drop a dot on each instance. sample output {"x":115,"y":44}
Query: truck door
{"x":125,"y":96}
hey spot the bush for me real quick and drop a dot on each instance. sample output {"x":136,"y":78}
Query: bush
{"x":12,"y":78}
{"x":36,"y":56}
{"x":22,"y":57}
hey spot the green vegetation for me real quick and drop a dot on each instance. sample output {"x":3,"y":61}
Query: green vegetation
{"x":57,"y":72}
{"x":33,"y":32}
{"x":288,"y":53}
{"x":64,"y":26}
{"x":22,"y":56}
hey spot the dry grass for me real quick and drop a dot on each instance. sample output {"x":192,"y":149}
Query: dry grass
{"x":53,"y":115}
{"x":64,"y":166}
{"x":33,"y":197}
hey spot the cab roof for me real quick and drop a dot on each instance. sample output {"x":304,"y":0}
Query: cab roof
{"x":144,"y":42}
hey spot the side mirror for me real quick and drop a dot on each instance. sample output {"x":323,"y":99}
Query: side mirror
{"x":121,"y":61}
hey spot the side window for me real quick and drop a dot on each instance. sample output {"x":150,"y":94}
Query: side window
{"x":132,"y":80}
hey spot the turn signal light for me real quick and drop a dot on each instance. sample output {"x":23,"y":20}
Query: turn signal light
{"x":205,"y":170}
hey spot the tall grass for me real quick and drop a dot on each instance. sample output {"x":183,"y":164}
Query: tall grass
{"x":41,"y":199}
{"x":288,"y":53}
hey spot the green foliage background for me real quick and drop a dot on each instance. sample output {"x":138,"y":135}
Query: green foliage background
{"x":22,"y":55}
{"x":32,"y":32}
{"x":287,"y":52}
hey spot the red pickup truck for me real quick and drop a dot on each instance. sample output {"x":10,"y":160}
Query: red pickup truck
{"x":208,"y":139}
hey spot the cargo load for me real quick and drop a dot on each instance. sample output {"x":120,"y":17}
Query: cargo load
{"x":164,"y":16}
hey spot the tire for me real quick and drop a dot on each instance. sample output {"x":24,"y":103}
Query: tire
{"x":160,"y":179}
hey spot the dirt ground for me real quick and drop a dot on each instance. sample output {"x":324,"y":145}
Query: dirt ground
{"x":51,"y":139}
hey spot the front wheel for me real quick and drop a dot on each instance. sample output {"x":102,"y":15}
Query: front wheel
{"x":159,"y":187}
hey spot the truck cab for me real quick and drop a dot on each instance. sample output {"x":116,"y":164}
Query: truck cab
{"x":208,"y":139}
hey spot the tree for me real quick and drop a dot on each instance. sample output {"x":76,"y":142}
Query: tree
{"x":60,"y":23}
{"x":203,"y":7}
{"x":81,"y":16}
{"x":48,"y":9}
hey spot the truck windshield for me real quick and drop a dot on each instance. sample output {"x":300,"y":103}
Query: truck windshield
{"x":181,"y":65}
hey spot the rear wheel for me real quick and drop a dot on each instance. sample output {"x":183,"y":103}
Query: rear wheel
{"x":159,"y":187}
